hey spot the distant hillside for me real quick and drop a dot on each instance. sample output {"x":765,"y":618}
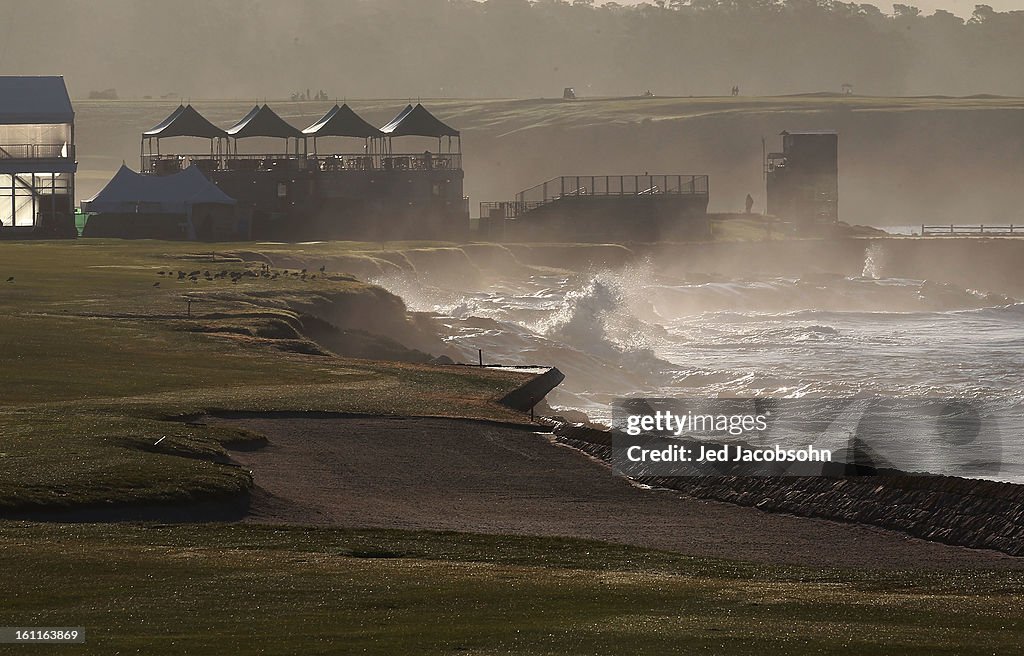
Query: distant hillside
{"x":523,"y":48}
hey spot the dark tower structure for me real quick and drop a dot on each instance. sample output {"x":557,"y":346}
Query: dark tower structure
{"x":803,"y":180}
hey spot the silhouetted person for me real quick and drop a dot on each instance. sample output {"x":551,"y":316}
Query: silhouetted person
{"x":428,"y":160}
{"x":750,"y":203}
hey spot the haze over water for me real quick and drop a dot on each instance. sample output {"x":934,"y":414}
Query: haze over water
{"x":638,"y":332}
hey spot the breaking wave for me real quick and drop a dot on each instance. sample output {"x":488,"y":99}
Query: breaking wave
{"x":636,"y":331}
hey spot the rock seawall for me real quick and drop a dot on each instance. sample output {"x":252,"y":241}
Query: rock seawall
{"x":962,"y":511}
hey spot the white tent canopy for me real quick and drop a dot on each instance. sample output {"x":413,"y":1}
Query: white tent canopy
{"x":131,"y":192}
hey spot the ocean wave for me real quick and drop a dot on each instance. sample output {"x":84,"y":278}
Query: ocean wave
{"x":635,"y":332}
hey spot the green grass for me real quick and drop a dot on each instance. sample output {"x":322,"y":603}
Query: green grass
{"x":96,"y":360}
{"x":217,"y":589}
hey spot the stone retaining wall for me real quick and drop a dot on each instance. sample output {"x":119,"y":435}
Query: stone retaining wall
{"x":961,"y":511}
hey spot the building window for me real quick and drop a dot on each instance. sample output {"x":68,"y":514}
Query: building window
{"x":35,"y":141}
{"x":24,"y":196}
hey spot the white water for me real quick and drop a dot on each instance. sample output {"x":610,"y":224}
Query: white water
{"x":638,"y":333}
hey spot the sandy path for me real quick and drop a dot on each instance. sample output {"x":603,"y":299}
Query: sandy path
{"x":466,"y":476}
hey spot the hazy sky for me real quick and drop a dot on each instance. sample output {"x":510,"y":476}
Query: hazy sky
{"x":959,"y":7}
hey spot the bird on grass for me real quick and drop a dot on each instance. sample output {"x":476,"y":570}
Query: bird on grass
{"x":11,"y":279}
{"x":323,"y":269}
{"x":156,"y":284}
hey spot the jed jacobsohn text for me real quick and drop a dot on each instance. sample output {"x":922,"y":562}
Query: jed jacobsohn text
{"x":716,"y":437}
{"x":764,"y":436}
{"x":734,"y":453}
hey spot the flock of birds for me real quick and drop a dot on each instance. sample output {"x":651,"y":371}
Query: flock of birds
{"x":265,"y":272}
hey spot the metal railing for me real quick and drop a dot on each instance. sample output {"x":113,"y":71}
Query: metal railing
{"x":614,"y":185}
{"x":163,"y":164}
{"x":509,"y":209}
{"x":420,"y":162}
{"x":972,"y":230}
{"x":36,"y":151}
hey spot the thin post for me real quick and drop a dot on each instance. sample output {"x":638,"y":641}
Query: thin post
{"x":480,"y":356}
{"x":532,"y":404}
{"x":189,"y":303}
{"x":764,"y":174}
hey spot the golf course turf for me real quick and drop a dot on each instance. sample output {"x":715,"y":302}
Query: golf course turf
{"x":107,"y":378}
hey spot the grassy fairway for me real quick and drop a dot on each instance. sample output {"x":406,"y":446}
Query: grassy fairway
{"x":246,"y":589}
{"x":95,"y":359}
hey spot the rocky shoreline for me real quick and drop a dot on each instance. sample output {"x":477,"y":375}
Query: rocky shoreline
{"x":959,"y":511}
